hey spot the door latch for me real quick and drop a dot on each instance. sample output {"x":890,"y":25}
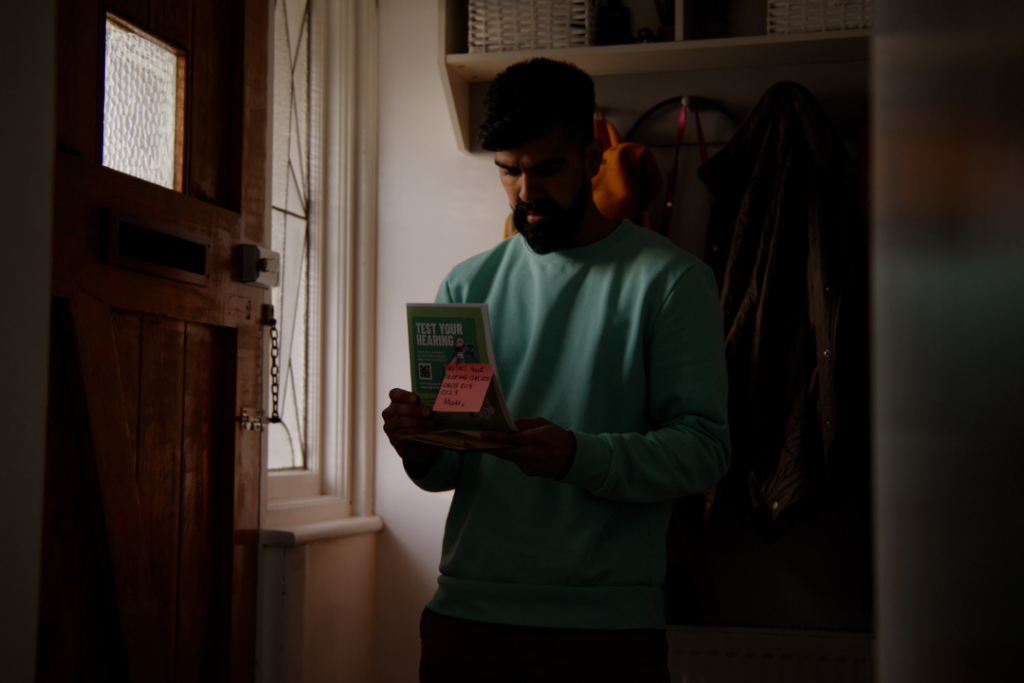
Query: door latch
{"x":259,"y":266}
{"x":252,"y":419}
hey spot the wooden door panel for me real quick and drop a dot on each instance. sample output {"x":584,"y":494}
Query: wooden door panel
{"x":92,"y":614}
{"x":98,"y":652}
{"x":108,"y":472}
{"x":214,"y":156}
{"x":172,"y":22}
{"x":101,"y":647}
{"x":179,"y":516}
{"x":158,"y":470}
{"x":128,"y":336}
{"x":136,"y":11}
{"x":79,"y":74}
{"x":245,"y":505}
{"x":204,"y":600}
{"x":255,"y":196}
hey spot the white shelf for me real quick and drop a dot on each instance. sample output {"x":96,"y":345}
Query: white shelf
{"x":458,"y":71}
{"x":720,"y":53}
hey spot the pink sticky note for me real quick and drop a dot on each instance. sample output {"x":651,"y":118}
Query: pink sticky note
{"x":464,"y":388}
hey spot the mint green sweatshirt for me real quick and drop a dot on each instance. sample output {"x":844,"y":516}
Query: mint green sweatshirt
{"x":620,"y":342}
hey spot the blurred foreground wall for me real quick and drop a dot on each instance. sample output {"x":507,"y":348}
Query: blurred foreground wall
{"x":948,"y":301}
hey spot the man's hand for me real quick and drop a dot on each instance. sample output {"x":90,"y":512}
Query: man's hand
{"x":405,"y":417}
{"x":540,"y":449}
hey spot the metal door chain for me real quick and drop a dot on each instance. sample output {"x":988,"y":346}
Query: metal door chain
{"x":252,"y":418}
{"x":275,"y":370}
{"x":275,"y":352}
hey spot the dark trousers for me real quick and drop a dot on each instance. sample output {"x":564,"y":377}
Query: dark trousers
{"x":457,"y":650}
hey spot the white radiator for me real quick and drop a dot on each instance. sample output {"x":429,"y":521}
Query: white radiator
{"x":753,"y":655}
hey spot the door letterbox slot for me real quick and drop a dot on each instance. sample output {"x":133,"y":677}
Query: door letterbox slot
{"x":151,"y":247}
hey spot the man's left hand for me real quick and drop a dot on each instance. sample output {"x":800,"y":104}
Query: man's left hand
{"x":540,"y":448}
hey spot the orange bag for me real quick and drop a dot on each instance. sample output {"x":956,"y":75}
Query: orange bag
{"x":629,"y":178}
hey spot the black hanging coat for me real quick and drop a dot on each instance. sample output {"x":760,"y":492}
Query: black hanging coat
{"x":782,"y":233}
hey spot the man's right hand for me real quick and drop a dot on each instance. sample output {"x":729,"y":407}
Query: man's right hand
{"x":405,"y":417}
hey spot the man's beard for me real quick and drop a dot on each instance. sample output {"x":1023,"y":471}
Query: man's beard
{"x":561,"y":225}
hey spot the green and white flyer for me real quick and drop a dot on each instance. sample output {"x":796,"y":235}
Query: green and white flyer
{"x":454,"y":334}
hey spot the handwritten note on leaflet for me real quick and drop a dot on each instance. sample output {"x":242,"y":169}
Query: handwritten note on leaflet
{"x":464,"y":388}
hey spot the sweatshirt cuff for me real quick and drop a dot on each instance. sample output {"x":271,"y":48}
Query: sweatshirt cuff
{"x":591,"y":463}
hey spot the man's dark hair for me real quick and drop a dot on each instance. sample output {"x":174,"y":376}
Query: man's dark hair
{"x":527,"y":98}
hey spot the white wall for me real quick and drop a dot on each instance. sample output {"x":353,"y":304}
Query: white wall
{"x":27,"y":76}
{"x":437,"y":207}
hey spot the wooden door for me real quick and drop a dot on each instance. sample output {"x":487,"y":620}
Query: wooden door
{"x":152,"y":486}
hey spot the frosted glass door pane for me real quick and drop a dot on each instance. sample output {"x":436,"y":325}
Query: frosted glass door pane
{"x":140,"y":106}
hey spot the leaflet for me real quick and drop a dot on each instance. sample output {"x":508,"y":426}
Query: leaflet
{"x":450,"y":335}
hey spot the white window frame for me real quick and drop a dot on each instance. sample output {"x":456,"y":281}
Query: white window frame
{"x":338,"y":480}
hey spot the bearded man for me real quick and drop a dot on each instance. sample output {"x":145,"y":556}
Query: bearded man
{"x":608,"y":342}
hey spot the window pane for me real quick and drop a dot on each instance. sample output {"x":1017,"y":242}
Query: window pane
{"x":291,"y":308}
{"x":140,"y":106}
{"x":290,"y":197}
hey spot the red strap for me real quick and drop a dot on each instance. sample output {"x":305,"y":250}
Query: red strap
{"x":670,"y":192}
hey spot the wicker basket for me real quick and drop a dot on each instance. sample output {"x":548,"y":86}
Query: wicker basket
{"x":803,"y":16}
{"x":502,"y":25}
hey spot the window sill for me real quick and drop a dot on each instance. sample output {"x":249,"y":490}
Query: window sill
{"x":284,"y":485}
{"x":288,"y":513}
{"x":322,"y":531}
